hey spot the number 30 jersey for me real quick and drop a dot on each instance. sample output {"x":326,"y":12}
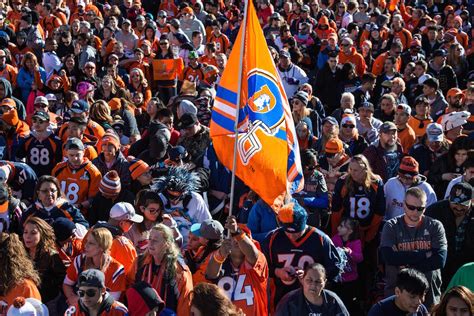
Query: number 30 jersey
{"x":313,"y":246}
{"x":42,"y":156}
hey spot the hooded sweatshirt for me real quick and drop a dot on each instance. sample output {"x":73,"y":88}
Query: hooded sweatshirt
{"x":20,"y":107}
{"x":395,"y":195}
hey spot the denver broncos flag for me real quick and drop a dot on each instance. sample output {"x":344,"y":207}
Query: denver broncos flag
{"x":268,"y":159}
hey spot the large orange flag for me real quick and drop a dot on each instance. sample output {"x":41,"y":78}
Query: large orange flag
{"x":268,"y":158}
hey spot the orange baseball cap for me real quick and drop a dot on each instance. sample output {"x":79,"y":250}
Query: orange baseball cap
{"x":334,"y":146}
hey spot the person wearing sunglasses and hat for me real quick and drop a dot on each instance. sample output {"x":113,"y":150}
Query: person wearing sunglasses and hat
{"x":94,"y":298}
{"x":457,"y":216}
{"x":415,"y":240}
{"x":408,"y":177}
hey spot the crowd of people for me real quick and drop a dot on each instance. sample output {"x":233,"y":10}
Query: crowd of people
{"x":114,"y":202}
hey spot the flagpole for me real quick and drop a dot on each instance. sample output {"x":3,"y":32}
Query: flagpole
{"x":236,"y":123}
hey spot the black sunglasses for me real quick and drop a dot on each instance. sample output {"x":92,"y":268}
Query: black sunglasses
{"x":415,"y":208}
{"x":329,"y":155}
{"x":348,"y":126}
{"x":89,"y":293}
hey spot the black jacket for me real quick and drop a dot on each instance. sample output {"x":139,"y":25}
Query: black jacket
{"x":120,"y":165}
{"x":295,"y":304}
{"x":442,"y":212}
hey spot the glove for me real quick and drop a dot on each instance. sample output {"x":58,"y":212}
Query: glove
{"x":292,"y":81}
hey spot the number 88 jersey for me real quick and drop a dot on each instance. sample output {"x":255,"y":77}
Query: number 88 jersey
{"x":42,"y":156}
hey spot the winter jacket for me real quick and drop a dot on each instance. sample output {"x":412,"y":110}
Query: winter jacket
{"x":292,"y":78}
{"x":262,"y":220}
{"x":25,"y":79}
{"x":395,"y":195}
{"x":52,"y":272}
{"x":435,"y":176}
{"x":61,"y":209}
{"x":438,"y":106}
{"x":442,"y":212}
{"x":355,"y":58}
{"x":354,"y":257}
{"x":120,"y":165}
{"x":375,"y":154}
{"x":20,"y":107}
{"x":445,"y":75}
{"x":294,"y":304}
{"x":100,"y":205}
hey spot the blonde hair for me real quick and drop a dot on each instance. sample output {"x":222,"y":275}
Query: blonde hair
{"x":370,"y":177}
{"x":104,"y":239}
{"x":172,"y":251}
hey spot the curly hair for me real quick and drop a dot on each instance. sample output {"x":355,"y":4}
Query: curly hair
{"x":47,"y":239}
{"x":178,"y":179}
{"x":203,"y":293}
{"x":15,"y":263}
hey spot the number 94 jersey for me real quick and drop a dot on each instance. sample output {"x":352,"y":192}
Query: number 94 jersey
{"x":42,"y":156}
{"x":246,"y":286}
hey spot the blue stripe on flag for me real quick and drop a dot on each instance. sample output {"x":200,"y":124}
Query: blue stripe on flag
{"x":227,"y":95}
{"x":281,"y":134}
{"x":223,"y":121}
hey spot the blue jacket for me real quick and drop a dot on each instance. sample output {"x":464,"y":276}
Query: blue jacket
{"x":25,"y":79}
{"x":262,"y":219}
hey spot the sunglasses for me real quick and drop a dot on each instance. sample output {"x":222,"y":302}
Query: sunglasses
{"x":329,"y":155}
{"x":40,"y":121}
{"x":348,"y":126}
{"x":165,"y":43}
{"x":459,"y":209}
{"x":89,"y":293}
{"x":415,"y":208}
{"x":345,"y":45}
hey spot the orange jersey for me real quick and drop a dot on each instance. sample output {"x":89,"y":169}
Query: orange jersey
{"x":377,"y":67}
{"x":419,"y":126}
{"x":407,"y":139}
{"x":192,"y":74}
{"x":124,"y":252}
{"x":208,"y":60}
{"x":114,"y":275}
{"x":49,"y":24}
{"x":10,"y":73}
{"x":69,"y":251}
{"x":246,"y":286}
{"x":92,"y":128}
{"x":26,"y":289}
{"x":78,"y":184}
{"x":183,"y":285}
{"x":222,"y":42}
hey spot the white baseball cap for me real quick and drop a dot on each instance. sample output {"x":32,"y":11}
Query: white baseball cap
{"x":27,"y":307}
{"x":454,"y":119}
{"x":434,"y":132}
{"x":125,"y":211}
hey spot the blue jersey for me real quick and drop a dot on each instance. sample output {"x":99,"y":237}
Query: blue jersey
{"x":41,"y":156}
{"x":22,"y":179}
{"x":313,"y":247}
